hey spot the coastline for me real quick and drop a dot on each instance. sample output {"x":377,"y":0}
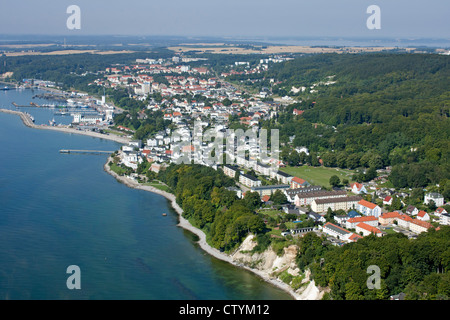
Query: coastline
{"x":310,"y":293}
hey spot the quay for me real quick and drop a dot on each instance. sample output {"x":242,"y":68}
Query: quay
{"x":32,"y":104}
{"x":84,"y":151}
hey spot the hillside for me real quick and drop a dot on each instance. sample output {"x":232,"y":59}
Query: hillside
{"x":371,"y":110}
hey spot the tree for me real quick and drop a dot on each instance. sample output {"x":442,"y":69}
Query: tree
{"x":236,"y":175}
{"x":252,"y":200}
{"x":396,"y":203}
{"x":294,"y":158}
{"x":335,"y":181}
{"x":279,"y":197}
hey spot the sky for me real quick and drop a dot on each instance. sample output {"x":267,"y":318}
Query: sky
{"x":229,"y":18}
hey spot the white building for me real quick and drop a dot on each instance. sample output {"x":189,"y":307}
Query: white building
{"x":366,"y":229}
{"x":358,"y":188}
{"x":336,"y":231}
{"x":131,"y":159}
{"x":368,"y":208}
{"x":249,"y":181}
{"x":444,"y":219}
{"x":79,"y":118}
{"x":436,"y":197}
{"x":369,"y":220}
{"x":418,"y":226}
{"x":340,"y":203}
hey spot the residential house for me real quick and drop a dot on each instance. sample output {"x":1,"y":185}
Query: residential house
{"x":131,"y":159}
{"x":297,"y":183}
{"x":316,"y":217}
{"x":353,"y":214}
{"x":444,"y":219}
{"x":423,"y":216}
{"x":387,"y":200}
{"x":411,"y":210}
{"x":368,"y":208}
{"x":358,"y":188}
{"x":157,"y":167}
{"x":291,"y":209}
{"x":440,"y":211}
{"x":341,"y":219}
{"x":135,"y":143}
{"x":434,"y":196}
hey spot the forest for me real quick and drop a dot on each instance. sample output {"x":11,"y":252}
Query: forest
{"x":419,"y":268}
{"x":208,"y":204}
{"x":383,"y":110}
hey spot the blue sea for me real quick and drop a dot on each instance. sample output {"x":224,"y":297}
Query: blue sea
{"x":58,"y":210}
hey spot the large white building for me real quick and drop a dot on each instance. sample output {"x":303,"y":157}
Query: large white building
{"x":368,"y":208}
{"x":369,"y":220}
{"x":87,"y":118}
{"x":339,"y":232}
{"x":434,"y":196}
{"x":344,"y":203}
{"x":249,"y":181}
{"x":367,"y":229}
{"x":306,"y":198}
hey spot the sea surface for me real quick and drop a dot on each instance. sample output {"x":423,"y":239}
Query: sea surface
{"x":59,"y":210}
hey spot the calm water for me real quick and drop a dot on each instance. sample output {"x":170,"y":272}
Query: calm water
{"x":58,"y":210}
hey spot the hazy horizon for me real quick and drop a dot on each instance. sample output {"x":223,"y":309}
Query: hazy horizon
{"x":237,"y":19}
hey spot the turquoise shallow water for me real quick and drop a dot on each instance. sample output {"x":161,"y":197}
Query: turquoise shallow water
{"x":58,"y":210}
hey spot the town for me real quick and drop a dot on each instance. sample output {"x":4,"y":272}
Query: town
{"x":191,"y":97}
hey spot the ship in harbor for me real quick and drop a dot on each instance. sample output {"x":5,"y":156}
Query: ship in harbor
{"x":5,"y":88}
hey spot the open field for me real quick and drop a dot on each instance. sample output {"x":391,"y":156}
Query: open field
{"x":158,"y":185}
{"x":61,"y":52}
{"x":231,"y":49}
{"x":318,"y":175}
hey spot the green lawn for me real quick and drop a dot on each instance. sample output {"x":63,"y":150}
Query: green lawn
{"x":158,"y":185}
{"x":114,"y":167}
{"x":318,"y":175}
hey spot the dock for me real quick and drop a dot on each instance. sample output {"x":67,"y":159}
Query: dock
{"x":85,"y":151}
{"x":32,"y":104}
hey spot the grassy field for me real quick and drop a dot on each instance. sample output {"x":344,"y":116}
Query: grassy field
{"x":158,"y":185}
{"x":114,"y":167}
{"x":318,"y":175}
